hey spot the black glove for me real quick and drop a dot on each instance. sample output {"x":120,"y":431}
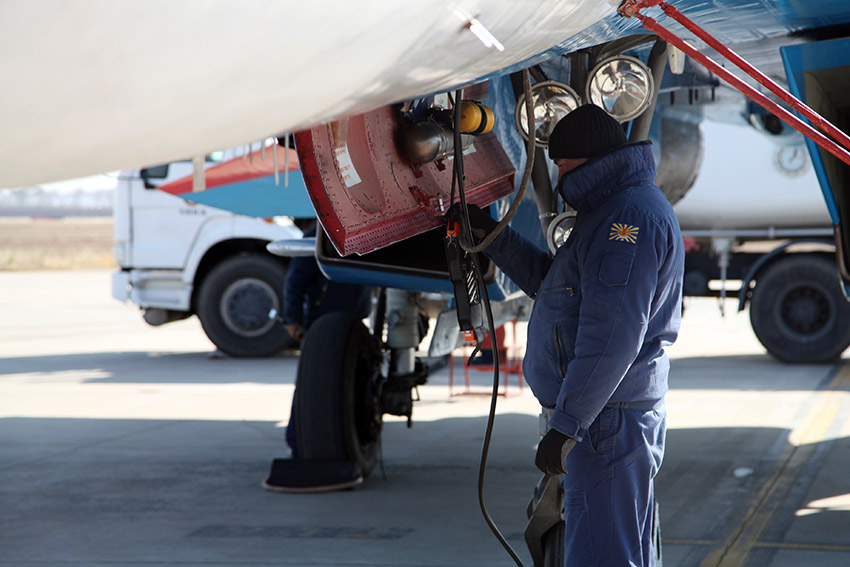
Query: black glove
{"x":480,"y":220}
{"x":552,"y":452}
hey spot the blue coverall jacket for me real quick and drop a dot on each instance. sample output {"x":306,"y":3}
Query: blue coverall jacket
{"x":611,"y":298}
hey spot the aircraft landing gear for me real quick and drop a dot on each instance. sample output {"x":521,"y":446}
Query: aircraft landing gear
{"x":341,"y":394}
{"x":405,"y":330}
{"x":337,"y":411}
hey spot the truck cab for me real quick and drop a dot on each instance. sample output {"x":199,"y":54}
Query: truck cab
{"x":177,"y":258}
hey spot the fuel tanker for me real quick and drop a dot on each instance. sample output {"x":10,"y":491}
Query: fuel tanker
{"x":756,"y":226}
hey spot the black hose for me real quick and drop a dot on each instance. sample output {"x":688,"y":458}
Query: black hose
{"x":526,"y":177}
{"x":485,"y":300}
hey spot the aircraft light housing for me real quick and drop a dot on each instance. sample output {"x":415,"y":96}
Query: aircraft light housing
{"x":551,"y":101}
{"x":559,"y":230}
{"x":621,"y":85}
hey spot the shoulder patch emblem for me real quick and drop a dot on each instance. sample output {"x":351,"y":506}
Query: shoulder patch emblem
{"x":624,"y":233}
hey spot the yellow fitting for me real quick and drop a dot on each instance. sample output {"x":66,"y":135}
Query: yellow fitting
{"x":475,"y":118}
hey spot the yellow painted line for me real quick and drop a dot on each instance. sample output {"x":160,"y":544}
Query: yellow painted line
{"x":666,"y":541}
{"x":818,"y":423}
{"x":802,"y":440}
{"x":764,"y":544}
{"x":798,"y":545}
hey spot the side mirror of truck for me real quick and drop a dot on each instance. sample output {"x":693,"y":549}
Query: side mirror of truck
{"x":156,"y":172}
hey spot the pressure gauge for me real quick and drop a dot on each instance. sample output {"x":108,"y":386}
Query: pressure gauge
{"x":792,"y":160}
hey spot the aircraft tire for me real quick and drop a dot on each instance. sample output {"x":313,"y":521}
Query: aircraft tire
{"x":798,"y":311}
{"x":336,"y":403}
{"x":233,"y":303}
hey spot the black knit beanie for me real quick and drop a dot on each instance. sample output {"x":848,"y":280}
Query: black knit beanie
{"x":586,"y":132}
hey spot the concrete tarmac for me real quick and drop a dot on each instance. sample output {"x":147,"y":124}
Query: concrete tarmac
{"x":127,"y":445}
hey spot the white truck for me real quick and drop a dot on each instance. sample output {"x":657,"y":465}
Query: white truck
{"x":179,"y":258}
{"x":758,"y":228}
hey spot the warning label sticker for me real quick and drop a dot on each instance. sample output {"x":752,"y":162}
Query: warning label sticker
{"x":346,"y":167}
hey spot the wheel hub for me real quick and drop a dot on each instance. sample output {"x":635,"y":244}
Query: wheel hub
{"x":245,"y":306}
{"x":806,"y":311}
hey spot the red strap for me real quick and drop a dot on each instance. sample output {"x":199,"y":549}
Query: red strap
{"x":633,"y":7}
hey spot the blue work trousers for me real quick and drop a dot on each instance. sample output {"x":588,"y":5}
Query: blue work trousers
{"x":608,"y":489}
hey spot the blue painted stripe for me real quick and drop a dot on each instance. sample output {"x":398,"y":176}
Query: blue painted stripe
{"x":259,"y":197}
{"x":380,"y":278}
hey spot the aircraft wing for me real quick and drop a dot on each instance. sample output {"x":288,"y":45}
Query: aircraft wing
{"x":101,"y":85}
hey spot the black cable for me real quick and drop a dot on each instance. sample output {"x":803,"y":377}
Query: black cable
{"x":485,"y":300}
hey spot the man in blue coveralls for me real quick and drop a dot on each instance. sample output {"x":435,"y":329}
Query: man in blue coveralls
{"x":605,"y":306}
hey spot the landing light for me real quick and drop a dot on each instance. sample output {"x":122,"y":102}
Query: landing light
{"x":551,"y":101}
{"x":622,"y":85}
{"x":559,"y":230}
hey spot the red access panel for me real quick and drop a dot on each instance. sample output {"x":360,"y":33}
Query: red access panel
{"x":368,"y":194}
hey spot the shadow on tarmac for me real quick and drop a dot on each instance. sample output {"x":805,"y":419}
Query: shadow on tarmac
{"x":135,"y":367}
{"x":746,"y":493}
{"x":166,"y":491}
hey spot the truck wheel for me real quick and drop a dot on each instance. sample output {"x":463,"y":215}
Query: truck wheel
{"x":337,"y":415}
{"x":799,"y":312}
{"x":234,"y":301}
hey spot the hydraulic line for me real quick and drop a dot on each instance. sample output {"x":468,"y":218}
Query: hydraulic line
{"x":631,"y":8}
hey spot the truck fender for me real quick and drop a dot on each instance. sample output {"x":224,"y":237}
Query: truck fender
{"x":219,"y":230}
{"x":764,"y":260}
